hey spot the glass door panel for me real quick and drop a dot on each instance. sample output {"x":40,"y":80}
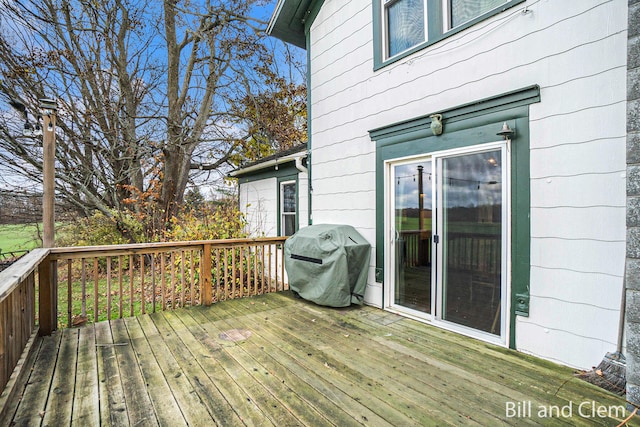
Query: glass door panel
{"x":471,"y":235}
{"x":412,"y":220}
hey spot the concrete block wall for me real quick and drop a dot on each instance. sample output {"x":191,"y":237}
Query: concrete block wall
{"x":632,"y":273}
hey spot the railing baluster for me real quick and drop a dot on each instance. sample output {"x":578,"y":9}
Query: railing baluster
{"x":108,"y":261}
{"x":69,"y":294}
{"x":254,"y":260}
{"x":153,"y":282}
{"x":131,"y":266}
{"x":84,"y":289}
{"x":225,"y":274}
{"x":143,"y":300}
{"x":163,"y":281}
{"x":120,"y":261}
{"x":182,"y":279}
{"x":206,"y":291}
{"x":172,"y":259}
{"x":240,"y":252}
{"x":95,"y":289}
{"x":192,"y":277}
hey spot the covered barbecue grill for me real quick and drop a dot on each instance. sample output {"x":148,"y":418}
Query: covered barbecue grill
{"x":328,"y":264}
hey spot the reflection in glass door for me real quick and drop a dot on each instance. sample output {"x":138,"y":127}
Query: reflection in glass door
{"x":412,"y":220}
{"x":448,"y":252}
{"x":472,"y":235}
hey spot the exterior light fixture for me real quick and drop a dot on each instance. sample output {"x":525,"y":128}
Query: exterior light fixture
{"x":28,"y":130}
{"x":436,"y":124}
{"x":507,"y":133}
{"x":48,"y":115}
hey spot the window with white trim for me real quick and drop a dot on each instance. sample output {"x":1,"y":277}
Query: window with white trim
{"x":410,"y":23}
{"x":287,"y":208}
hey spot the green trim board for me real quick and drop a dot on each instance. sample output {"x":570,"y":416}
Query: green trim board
{"x":467,"y":125}
{"x":435,"y":33}
{"x":284,"y":169}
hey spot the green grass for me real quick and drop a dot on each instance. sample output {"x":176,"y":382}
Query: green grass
{"x":18,"y":237}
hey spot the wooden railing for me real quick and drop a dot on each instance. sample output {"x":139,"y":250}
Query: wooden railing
{"x":87,"y":284}
{"x":17,"y":310}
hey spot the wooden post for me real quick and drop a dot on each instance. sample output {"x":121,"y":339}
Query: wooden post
{"x":48,"y":296}
{"x":207,"y":291}
{"x":48,"y":173}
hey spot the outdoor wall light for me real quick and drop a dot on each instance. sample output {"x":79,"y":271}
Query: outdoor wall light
{"x":436,"y":124}
{"x":507,"y":133}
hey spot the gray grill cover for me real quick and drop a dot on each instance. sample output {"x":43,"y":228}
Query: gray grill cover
{"x":328,"y":264}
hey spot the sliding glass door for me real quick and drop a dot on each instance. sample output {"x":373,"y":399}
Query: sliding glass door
{"x":448,"y":246}
{"x":412,"y":222}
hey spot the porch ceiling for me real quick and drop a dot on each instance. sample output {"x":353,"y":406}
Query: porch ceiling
{"x":274,"y":360}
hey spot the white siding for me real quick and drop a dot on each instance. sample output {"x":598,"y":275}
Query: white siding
{"x":576,"y":52}
{"x":259,"y":202}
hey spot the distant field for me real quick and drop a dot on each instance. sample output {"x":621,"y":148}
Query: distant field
{"x":18,"y":237}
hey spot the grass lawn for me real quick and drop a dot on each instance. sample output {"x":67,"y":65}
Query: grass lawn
{"x":18,"y":237}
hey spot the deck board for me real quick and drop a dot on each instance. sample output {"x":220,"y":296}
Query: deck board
{"x":138,"y":403}
{"x":60,"y":405}
{"x":161,"y":396}
{"x":275,"y":360}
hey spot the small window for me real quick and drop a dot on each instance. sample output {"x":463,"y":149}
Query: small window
{"x":288,"y":208}
{"x":461,"y":11}
{"x":405,"y":24}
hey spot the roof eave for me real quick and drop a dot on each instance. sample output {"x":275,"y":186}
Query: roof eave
{"x":288,"y":21}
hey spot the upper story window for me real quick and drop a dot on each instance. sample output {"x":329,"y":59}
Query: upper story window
{"x":461,"y":11}
{"x":404,"y":26}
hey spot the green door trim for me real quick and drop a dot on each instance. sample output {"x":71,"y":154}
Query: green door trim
{"x":467,"y":125}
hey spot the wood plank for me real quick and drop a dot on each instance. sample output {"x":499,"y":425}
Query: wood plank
{"x":200,"y":342}
{"x":172,"y":330}
{"x":113,"y":408}
{"x":193,"y":410}
{"x":314,"y":360}
{"x":13,"y":392}
{"x":308,"y":404}
{"x":86,"y":401}
{"x":139,"y":406}
{"x":34,"y":399}
{"x":60,"y":404}
{"x":13,"y":276}
{"x":411,"y":379}
{"x":518,"y":371}
{"x":161,"y":395}
{"x":244,"y":377}
{"x":488,"y":379}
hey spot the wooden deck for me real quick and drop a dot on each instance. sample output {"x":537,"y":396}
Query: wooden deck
{"x":275,"y":360}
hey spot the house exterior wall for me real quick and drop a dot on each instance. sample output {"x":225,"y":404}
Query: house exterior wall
{"x":576,"y":53}
{"x":259,"y":203}
{"x":258,"y":200}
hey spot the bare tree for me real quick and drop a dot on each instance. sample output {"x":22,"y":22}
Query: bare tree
{"x":148,"y":95}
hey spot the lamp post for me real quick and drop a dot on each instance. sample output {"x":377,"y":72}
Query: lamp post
{"x":49,"y":108}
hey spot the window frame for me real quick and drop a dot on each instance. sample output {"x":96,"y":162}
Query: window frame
{"x":385,"y":26}
{"x":281,"y":204}
{"x":436,"y":24}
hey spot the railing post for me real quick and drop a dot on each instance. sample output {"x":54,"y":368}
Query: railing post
{"x":207,"y":283}
{"x":48,"y":296}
